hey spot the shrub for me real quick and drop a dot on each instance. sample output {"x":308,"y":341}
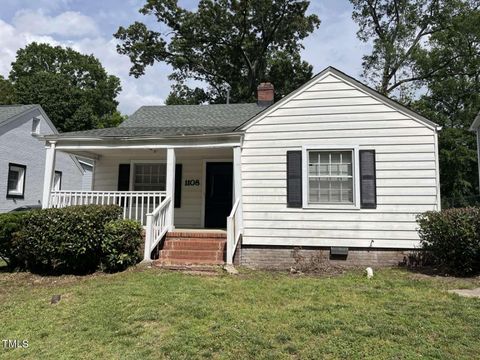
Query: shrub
{"x":9,"y":224}
{"x":120,"y":245}
{"x":452,"y":237}
{"x":67,"y":240}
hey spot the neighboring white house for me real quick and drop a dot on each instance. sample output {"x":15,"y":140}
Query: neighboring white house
{"x":333,"y":167}
{"x":22,"y":158}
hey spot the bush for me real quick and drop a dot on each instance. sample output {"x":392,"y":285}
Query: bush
{"x":67,"y":240}
{"x":9,"y":224}
{"x":452,"y":237}
{"x":120,"y":245}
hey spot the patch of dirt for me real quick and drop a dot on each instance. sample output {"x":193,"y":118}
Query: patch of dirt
{"x":475,"y":293}
{"x":432,"y":273}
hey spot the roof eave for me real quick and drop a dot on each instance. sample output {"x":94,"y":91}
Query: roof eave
{"x":390,"y":102}
{"x":59,"y":137}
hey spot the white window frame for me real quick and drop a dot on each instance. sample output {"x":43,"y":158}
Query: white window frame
{"x":19,"y":192}
{"x":355,"y":174}
{"x":132,"y":170}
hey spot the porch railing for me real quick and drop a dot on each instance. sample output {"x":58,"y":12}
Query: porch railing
{"x":234,"y":229}
{"x":135,"y":204}
{"x":157,"y":226}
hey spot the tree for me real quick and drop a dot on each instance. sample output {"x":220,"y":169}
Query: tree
{"x":226,"y":44}
{"x":7,"y":92}
{"x":400,"y":30}
{"x":427,"y":53}
{"x":74,"y":89}
{"x":453,"y":101}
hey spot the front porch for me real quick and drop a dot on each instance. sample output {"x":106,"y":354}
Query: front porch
{"x":185,"y":183}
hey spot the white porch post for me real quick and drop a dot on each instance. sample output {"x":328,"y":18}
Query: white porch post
{"x":237,"y":173}
{"x":171,"y":186}
{"x":49,"y":172}
{"x":148,"y":239}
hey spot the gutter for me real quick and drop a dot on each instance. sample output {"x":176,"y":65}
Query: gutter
{"x":58,"y":137}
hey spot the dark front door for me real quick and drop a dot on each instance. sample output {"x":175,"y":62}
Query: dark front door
{"x":218,"y":194}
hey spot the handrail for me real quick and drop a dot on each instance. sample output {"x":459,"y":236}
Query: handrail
{"x":160,"y":207}
{"x":157,"y":226}
{"x":234,"y":229}
{"x":135,"y":204}
{"x":234,"y":208}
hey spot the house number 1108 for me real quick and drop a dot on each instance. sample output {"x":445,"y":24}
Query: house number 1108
{"x":192,"y":182}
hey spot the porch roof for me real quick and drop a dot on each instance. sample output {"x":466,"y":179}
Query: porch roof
{"x":176,"y":120}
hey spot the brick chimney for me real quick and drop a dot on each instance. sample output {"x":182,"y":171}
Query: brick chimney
{"x":265,"y":94}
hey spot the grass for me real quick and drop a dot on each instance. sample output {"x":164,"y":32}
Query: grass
{"x":158,"y":314}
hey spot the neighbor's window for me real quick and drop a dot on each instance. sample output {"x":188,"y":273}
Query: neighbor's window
{"x":36,"y":126}
{"x":330,"y":177}
{"x":16,"y":180}
{"x":57,"y":181}
{"x":150,"y":177}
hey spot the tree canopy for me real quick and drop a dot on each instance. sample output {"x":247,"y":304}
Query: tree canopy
{"x":427,"y":54}
{"x":230,"y":45}
{"x":7,"y":92}
{"x":74,"y":89}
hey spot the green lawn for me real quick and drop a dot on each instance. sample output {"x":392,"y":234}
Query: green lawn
{"x":159,"y":314}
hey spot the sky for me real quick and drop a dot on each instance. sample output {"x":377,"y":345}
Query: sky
{"x":87,"y":26}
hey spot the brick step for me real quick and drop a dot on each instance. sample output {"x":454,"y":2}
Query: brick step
{"x":194,"y":244}
{"x":191,"y":254}
{"x":196,"y":235}
{"x":177,"y":262}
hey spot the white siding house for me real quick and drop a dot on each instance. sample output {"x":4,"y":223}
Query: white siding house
{"x":23,"y":156}
{"x":333,"y":114}
{"x":333,"y":167}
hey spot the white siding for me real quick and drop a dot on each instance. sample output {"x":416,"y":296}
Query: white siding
{"x":191,"y":211}
{"x":335,"y":112}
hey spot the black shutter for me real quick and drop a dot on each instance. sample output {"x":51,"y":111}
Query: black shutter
{"x":294,"y":179}
{"x":178,"y":185}
{"x":123,"y":177}
{"x":368,"y":180}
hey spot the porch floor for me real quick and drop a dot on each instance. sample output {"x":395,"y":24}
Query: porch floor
{"x":200,"y":230}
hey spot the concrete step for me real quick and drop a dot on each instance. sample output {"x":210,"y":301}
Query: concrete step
{"x":194,"y":244}
{"x":178,"y":262}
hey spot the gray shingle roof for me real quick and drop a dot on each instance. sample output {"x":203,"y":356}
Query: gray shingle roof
{"x":223,"y":115}
{"x":127,"y":131}
{"x":9,"y":111}
{"x":174,"y":120}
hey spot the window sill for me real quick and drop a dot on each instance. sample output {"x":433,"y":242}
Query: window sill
{"x":15,"y":196}
{"x":330,"y":207}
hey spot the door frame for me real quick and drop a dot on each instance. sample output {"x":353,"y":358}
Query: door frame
{"x":204,"y":180}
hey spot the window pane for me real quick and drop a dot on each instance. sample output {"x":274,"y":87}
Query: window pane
{"x":15,"y":180}
{"x":330,"y":177}
{"x":150,"y":177}
{"x":13,"y":177}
